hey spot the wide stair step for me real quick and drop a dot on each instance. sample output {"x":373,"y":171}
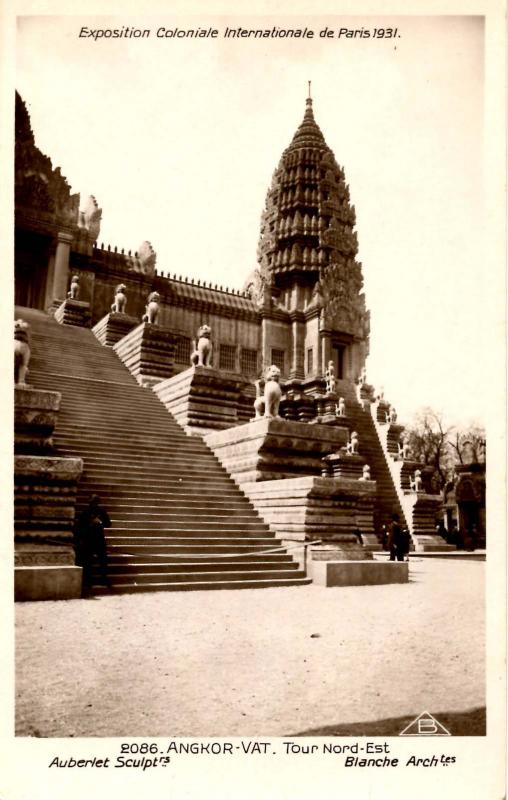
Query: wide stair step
{"x":193,"y":584}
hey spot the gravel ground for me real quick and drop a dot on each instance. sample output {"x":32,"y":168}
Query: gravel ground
{"x":272,"y":662}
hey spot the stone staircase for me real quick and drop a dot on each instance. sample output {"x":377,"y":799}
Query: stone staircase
{"x":387,"y":501}
{"x":420,"y":508}
{"x":178,"y":520}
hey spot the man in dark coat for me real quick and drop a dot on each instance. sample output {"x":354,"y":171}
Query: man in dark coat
{"x":396,"y":539}
{"x":91,"y":543}
{"x":406,"y":543}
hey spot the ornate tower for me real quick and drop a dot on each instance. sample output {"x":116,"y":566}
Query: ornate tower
{"x":308,"y":282}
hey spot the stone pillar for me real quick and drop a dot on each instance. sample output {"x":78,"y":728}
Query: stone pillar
{"x":61,"y":268}
{"x":326,"y":350}
{"x":48,"y":299}
{"x":357,"y":359}
{"x":265,"y":355}
{"x":298,"y":349}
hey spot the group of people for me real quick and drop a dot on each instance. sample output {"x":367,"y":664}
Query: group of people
{"x":462,"y":538}
{"x":396,"y":539}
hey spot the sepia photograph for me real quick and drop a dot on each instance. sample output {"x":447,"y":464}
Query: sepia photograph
{"x":256,"y":367}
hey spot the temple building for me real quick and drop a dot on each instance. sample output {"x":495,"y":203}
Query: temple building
{"x":270,"y":380}
{"x":301,"y":308}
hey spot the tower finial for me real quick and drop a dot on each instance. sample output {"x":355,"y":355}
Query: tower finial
{"x":310,"y":96}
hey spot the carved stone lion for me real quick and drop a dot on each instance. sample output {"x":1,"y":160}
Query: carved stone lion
{"x":152,"y":308}
{"x":340,"y":410}
{"x":267,"y":404}
{"x":416,"y":483}
{"x":330,"y":378}
{"x":365,"y":473}
{"x":404,"y":448}
{"x":202,"y":354}
{"x":21,"y":351}
{"x":352,"y":445}
{"x":120,"y":300}
{"x":74,"y":290}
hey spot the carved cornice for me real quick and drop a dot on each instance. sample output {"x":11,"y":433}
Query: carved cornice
{"x":40,"y":189}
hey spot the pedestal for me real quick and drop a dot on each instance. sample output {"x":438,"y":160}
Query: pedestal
{"x":73,"y":312}
{"x":45,"y":496}
{"x":382,"y":408}
{"x":47,"y":583}
{"x":203,"y":399}
{"x":270,"y":448}
{"x":35,"y":414}
{"x":312,"y":508}
{"x":44,"y":503}
{"x":113,"y":327}
{"x":423,"y":509}
{"x":148,"y":352}
{"x":358,"y":573}
{"x":295,"y":404}
{"x":393,"y":434}
{"x":345,"y":465}
{"x":326,"y":406}
{"x":365,"y":394}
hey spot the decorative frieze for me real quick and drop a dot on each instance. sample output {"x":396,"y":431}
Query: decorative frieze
{"x":45,"y":497}
{"x":35,"y":415}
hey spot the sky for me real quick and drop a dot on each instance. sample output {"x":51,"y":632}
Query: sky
{"x":178,"y":139}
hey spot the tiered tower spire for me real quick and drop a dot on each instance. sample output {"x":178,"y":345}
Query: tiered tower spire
{"x":308,"y":219}
{"x":307,"y":264}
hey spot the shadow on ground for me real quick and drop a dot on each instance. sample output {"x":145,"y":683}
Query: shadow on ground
{"x":461,"y":723}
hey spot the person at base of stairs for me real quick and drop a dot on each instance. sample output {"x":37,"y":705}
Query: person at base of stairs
{"x":357,"y":532}
{"x":396,"y":540}
{"x":406,"y":543}
{"x":384,"y":537}
{"x":90,"y":542}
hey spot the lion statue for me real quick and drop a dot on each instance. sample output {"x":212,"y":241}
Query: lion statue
{"x":202,"y":354}
{"x":404,"y":448}
{"x":416,"y":483}
{"x":330,"y":378}
{"x":267,"y":404}
{"x":152,"y":308}
{"x":340,"y":408}
{"x":352,"y":445}
{"x":73,"y":292}
{"x":21,"y":351}
{"x":391,"y":416}
{"x":365,"y":473}
{"x":120,"y":300}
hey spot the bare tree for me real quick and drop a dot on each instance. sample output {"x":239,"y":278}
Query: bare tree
{"x":469,"y":446}
{"x":428,"y":443}
{"x":441,"y":447}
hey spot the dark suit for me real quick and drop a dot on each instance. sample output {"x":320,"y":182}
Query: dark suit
{"x":91,"y":543}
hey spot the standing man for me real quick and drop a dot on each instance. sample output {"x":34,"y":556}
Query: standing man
{"x":396,"y":540}
{"x":91,"y":542}
{"x":406,"y":543}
